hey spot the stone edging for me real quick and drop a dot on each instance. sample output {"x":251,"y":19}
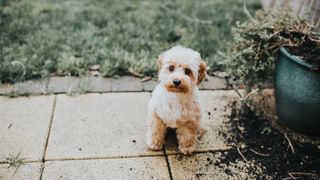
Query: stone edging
{"x":90,"y":84}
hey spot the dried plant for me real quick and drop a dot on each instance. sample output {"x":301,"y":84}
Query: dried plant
{"x":256,"y":42}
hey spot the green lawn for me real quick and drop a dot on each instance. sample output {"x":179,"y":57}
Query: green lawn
{"x":39,"y":37}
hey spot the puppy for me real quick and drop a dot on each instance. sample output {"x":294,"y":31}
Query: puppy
{"x":174,"y":102}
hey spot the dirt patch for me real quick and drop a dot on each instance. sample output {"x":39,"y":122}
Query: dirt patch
{"x":255,"y":140}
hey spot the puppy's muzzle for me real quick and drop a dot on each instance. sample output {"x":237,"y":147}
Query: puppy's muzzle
{"x":176,"y":82}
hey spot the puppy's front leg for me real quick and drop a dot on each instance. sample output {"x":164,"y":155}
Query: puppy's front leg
{"x":187,"y":137}
{"x":156,"y":131}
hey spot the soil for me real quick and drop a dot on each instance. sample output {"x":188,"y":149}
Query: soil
{"x":308,"y":50}
{"x":259,"y":151}
{"x":269,"y":149}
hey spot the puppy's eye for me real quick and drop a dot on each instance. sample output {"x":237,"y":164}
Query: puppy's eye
{"x":187,"y":71}
{"x":171,"y":68}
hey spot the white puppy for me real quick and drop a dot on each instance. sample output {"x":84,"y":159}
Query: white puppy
{"x":174,"y":101}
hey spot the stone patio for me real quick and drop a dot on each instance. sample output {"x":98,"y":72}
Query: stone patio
{"x":91,"y":84}
{"x":99,"y":135}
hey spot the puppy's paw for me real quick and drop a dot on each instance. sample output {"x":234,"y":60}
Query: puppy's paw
{"x":154,"y":144}
{"x":187,"y":150}
{"x":155,"y":147}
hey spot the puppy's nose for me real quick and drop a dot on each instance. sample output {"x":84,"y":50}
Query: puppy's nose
{"x":176,"y":82}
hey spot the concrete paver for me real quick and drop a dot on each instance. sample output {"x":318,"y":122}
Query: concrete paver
{"x":24,"y":126}
{"x":32,"y":87}
{"x":77,"y":85}
{"x":6,"y":88}
{"x":126,"y":83}
{"x":26,"y":171}
{"x":99,"y":125}
{"x":64,"y":85}
{"x":215,"y":112}
{"x":96,"y":84}
{"x":130,"y":168}
{"x":149,"y":85}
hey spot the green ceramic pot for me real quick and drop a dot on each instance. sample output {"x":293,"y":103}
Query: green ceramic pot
{"x":297,"y":91}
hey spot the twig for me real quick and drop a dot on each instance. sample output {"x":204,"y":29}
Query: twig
{"x":292,"y":176}
{"x":316,"y":40}
{"x":241,"y":155}
{"x":146,"y":79}
{"x":291,"y":45}
{"x":248,"y":14}
{"x":134,"y":73}
{"x":260,"y":154}
{"x":248,"y":95}
{"x":290,"y":144}
{"x":302,"y":173}
{"x":287,"y":178}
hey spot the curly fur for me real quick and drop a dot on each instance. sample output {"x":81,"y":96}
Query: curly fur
{"x":176,"y":107}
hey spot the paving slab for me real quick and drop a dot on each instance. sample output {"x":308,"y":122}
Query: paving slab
{"x":6,"y":88}
{"x":216,"y":110}
{"x":24,"y":126}
{"x":210,"y":166}
{"x":149,"y":85}
{"x":213,"y":83}
{"x":26,"y":171}
{"x":130,"y":168}
{"x":96,"y":84}
{"x":99,"y":125}
{"x":34,"y":87}
{"x":127,"y":83}
{"x":64,"y":85}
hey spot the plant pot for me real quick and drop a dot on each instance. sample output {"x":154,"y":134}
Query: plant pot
{"x":297,"y":91}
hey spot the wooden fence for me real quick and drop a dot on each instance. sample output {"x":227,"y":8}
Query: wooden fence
{"x":300,"y":7}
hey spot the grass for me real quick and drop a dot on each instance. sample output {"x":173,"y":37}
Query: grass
{"x":40,"y":37}
{"x":14,"y":162}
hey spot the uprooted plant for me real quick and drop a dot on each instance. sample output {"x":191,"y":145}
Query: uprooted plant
{"x":256,"y":43}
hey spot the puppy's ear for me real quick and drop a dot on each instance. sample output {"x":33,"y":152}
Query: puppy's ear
{"x":160,"y":61}
{"x":202,"y":72}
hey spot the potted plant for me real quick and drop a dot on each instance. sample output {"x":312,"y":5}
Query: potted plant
{"x":282,"y":48}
